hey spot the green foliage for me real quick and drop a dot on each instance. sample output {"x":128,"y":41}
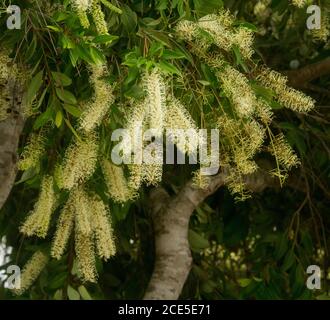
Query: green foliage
{"x":257,"y":249}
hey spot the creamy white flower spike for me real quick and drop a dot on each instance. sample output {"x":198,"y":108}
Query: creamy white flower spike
{"x":79,"y":161}
{"x":32,"y":152}
{"x":299,"y":3}
{"x":38,"y":221}
{"x":63,"y":230}
{"x":31,"y":271}
{"x":287,"y":96}
{"x":103,"y":231}
{"x":155,"y":102}
{"x":116,"y":182}
{"x":237,"y":88}
{"x":95,"y":109}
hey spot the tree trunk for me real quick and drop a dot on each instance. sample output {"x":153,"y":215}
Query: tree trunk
{"x":171,"y":218}
{"x":10,"y":131}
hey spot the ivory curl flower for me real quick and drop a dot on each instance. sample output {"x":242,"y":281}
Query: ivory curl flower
{"x":264,"y":112}
{"x":82,"y":209}
{"x":116,"y":182}
{"x":63,"y":230}
{"x":218,"y":29}
{"x":135,"y":118}
{"x":84,"y":243}
{"x":32,"y":152}
{"x":283,"y":152}
{"x":187,"y":30}
{"x":80,"y":161}
{"x":215,"y":28}
{"x":82,"y":7}
{"x":135,"y":124}
{"x":92,"y":221}
{"x":235,"y":183}
{"x":76,"y":212}
{"x":155,"y":102}
{"x":242,"y":140}
{"x":289,"y":97}
{"x":299,"y":3}
{"x":102,"y":227}
{"x":89,"y":219}
{"x":98,"y":17}
{"x":262,"y":9}
{"x":38,"y":221}
{"x":150,"y":114}
{"x":135,"y":176}
{"x":98,"y":106}
{"x":85,"y":251}
{"x":31,"y":271}
{"x":237,"y":88}
{"x":152,"y":174}
{"x":178,"y":117}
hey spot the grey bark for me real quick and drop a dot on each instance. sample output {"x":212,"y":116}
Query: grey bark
{"x":10,"y":131}
{"x":302,"y":77}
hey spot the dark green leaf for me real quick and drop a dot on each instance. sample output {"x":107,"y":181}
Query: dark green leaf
{"x":66,"y":96}
{"x":61,"y":79}
{"x":34,"y":87}
{"x":73,"y":294}
{"x":168,"y":68}
{"x":72,"y":110}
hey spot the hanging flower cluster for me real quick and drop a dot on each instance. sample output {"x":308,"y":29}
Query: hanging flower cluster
{"x":289,"y":97}
{"x":88,"y":218}
{"x":95,"y":109}
{"x":38,"y":221}
{"x":32,"y":152}
{"x":158,"y":111}
{"x":219,"y":30}
{"x":93,"y":7}
{"x":299,"y":3}
{"x":243,"y":118}
{"x":31,"y":271}
{"x":245,"y":127}
{"x":84,"y":215}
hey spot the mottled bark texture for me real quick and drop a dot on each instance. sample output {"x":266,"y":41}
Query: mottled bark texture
{"x":171,"y":217}
{"x":302,"y":77}
{"x":10,"y":130}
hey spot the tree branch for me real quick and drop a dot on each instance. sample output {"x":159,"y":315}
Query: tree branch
{"x":300,"y":78}
{"x":171,"y":217}
{"x":171,"y":223}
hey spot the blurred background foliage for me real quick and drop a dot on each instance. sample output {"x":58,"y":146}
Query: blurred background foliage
{"x":256,"y":249}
